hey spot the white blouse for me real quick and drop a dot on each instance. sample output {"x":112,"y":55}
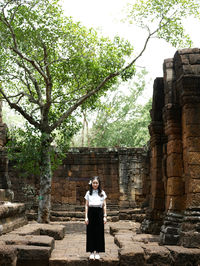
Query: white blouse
{"x":95,"y":199}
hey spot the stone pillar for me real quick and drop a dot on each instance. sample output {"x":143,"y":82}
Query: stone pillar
{"x":3,"y":157}
{"x":188,"y":75}
{"x":133,"y":170}
{"x":5,"y":184}
{"x":174,"y":201}
{"x":154,"y":217}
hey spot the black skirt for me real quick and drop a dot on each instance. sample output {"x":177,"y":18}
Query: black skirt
{"x":95,"y":240}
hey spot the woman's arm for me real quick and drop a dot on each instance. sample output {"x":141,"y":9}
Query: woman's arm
{"x":104,"y":211}
{"x":86,"y":211}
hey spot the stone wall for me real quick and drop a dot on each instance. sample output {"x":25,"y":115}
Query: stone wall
{"x":122,"y":172}
{"x":175,"y":152}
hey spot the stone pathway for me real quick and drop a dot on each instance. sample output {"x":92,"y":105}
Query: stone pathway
{"x":60,"y":244}
{"x":72,"y":251}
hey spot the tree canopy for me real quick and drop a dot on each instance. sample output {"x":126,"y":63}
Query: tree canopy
{"x":164,"y":19}
{"x":51,"y":68}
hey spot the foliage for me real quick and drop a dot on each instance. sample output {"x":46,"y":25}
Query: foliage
{"x":50,"y":66}
{"x":24,"y":148}
{"x":164,"y":18}
{"x":121,"y":121}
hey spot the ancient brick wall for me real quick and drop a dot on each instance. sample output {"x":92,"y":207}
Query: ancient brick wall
{"x":124,"y":174}
{"x":175,"y":151}
{"x":70,"y":181}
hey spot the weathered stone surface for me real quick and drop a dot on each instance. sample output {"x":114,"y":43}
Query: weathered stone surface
{"x":124,"y":225}
{"x":8,"y":255}
{"x":72,"y":251}
{"x":157,"y":255}
{"x":193,"y":199}
{"x":52,"y":230}
{"x":175,"y":186}
{"x":30,"y":255}
{"x":12,"y":239}
{"x":132,"y":255}
{"x":174,"y":165}
{"x":184,"y":256}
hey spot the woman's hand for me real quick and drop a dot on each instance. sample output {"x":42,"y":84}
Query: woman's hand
{"x":86,"y":221}
{"x":105,"y":220}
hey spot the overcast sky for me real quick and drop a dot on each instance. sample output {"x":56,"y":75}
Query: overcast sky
{"x":106,"y":14}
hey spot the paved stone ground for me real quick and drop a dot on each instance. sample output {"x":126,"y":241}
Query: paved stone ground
{"x":60,"y":244}
{"x":72,"y":250}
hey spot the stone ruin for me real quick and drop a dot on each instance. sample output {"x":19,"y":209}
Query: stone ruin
{"x":164,"y":181}
{"x":12,"y":215}
{"x":174,"y":209}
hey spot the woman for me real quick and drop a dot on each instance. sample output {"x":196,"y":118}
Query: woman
{"x":95,"y":218}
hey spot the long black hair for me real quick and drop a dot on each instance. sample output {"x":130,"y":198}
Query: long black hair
{"x":99,"y":187}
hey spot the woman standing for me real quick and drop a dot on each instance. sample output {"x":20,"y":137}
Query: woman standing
{"x":95,"y":218}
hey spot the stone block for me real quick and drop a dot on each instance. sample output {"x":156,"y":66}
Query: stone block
{"x":193,"y":200}
{"x":184,"y":256}
{"x":157,"y":151}
{"x":132,"y":255}
{"x":156,"y":174}
{"x":194,"y":171}
{"x":8,"y":255}
{"x":176,"y":203}
{"x":174,"y":146}
{"x":190,"y":239}
{"x":191,"y":114}
{"x":193,"y":157}
{"x":12,"y":239}
{"x":192,"y":144}
{"x":28,"y":255}
{"x":194,"y":186}
{"x":174,"y":165}
{"x":158,"y":203}
{"x":124,"y":216}
{"x":157,"y":255}
{"x":191,"y":130}
{"x":157,"y":188}
{"x":175,"y":186}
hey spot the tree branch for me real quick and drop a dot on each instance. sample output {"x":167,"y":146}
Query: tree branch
{"x":16,"y":49}
{"x":34,"y":81}
{"x":20,"y":110}
{"x":82,"y":100}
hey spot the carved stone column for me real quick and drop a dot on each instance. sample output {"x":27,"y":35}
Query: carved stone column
{"x":154,"y":217}
{"x":174,"y":202}
{"x":188,"y":82}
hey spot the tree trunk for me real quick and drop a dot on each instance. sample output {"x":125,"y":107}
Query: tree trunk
{"x":44,"y":206}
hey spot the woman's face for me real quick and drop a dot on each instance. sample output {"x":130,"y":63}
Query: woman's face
{"x":95,"y":184}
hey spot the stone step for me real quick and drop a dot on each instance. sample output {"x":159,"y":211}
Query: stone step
{"x":12,"y":216}
{"x":31,"y":240}
{"x":137,"y":215}
{"x":57,"y":231}
{"x":32,"y":255}
{"x":79,"y":208}
{"x":78,"y":214}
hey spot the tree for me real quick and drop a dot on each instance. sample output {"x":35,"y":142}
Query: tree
{"x":52,"y":67}
{"x":161,"y":19}
{"x":121,"y":121}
